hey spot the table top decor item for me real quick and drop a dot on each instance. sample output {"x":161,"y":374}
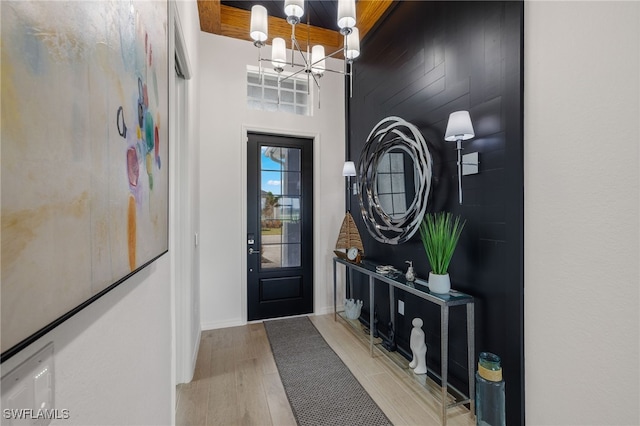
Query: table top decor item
{"x":440,"y":233}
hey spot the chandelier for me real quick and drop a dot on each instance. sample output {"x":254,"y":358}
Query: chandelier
{"x":313,"y":62}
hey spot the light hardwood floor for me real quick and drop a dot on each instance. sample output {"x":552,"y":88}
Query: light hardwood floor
{"x":236,"y":381}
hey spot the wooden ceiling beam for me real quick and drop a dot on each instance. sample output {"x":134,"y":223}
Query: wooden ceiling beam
{"x":236,"y":23}
{"x":369,"y":12}
{"x":216,"y":18}
{"x":209,"y":13}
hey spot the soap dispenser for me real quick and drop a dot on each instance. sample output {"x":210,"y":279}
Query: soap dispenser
{"x":410,"y":275}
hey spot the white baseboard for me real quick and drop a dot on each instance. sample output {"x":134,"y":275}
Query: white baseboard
{"x":222,"y":324}
{"x":328,"y":310}
{"x":234,"y":323}
{"x":194,"y":358}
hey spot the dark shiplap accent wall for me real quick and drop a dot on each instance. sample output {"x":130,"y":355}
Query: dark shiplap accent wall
{"x":424,"y":61}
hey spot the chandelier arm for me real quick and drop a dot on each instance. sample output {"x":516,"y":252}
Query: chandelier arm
{"x":350,"y":74}
{"x":336,"y":71}
{"x":298,"y":72}
{"x":315,"y":78}
{"x":303,"y":67}
{"x":335,"y":53}
{"x":293,"y":41}
{"x":293,"y":75}
{"x":260,"y":74}
{"x":306,"y":62}
{"x":309,"y":59}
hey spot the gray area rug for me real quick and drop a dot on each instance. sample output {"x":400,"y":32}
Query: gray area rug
{"x":320,"y":388}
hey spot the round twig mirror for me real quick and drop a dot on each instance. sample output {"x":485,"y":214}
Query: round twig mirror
{"x":394,"y":180}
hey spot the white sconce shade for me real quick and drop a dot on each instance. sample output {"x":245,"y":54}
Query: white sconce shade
{"x":352,"y":44}
{"x":259,"y":23}
{"x":349,"y":168}
{"x":278,"y":54}
{"x":459,"y":127}
{"x":346,"y":14}
{"x":317,"y":60}
{"x":294,"y":8}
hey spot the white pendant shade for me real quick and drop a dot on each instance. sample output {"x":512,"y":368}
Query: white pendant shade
{"x":294,"y":8}
{"x":317,"y":59}
{"x":459,"y":127}
{"x":349,"y":168}
{"x":278,"y":53}
{"x":346,"y":13}
{"x":259,"y":24}
{"x":353,"y":44}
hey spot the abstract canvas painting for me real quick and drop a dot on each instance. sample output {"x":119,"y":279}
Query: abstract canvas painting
{"x":84,"y":146}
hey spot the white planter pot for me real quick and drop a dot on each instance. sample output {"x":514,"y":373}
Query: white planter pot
{"x":439,"y":283}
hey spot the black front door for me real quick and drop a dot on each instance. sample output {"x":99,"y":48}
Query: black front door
{"x":279,"y":226}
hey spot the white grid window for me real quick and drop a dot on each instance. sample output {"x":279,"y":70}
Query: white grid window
{"x":262,"y":93}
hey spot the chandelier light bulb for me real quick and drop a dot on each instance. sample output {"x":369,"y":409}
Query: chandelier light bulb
{"x":278,"y":54}
{"x":352,"y":44}
{"x":294,"y":9}
{"x":346,"y":15}
{"x":317,"y":60}
{"x":259,"y":24}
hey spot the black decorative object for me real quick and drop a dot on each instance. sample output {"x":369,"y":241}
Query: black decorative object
{"x":390,"y":343}
{"x":375,"y":323}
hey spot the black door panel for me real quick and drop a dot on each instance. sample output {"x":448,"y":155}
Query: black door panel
{"x":279,"y":226}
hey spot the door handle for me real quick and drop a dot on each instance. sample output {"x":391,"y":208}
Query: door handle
{"x":252,"y":251}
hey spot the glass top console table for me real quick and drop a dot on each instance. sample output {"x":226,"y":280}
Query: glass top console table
{"x":420,"y":289}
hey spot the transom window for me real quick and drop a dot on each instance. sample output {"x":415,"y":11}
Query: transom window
{"x":264,"y":94}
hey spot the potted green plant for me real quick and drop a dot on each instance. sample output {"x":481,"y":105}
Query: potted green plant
{"x":439,"y":233}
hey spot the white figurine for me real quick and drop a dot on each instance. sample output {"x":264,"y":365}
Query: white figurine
{"x":352,"y":308}
{"x":418,"y":348}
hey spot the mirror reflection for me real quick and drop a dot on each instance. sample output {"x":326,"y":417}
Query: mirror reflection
{"x":396,"y":182}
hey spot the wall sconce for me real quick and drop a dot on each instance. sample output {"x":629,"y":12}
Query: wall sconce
{"x":459,"y":128}
{"x":349,"y":170}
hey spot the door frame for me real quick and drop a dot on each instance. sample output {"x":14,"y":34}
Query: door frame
{"x":181,"y":251}
{"x":317,"y":185}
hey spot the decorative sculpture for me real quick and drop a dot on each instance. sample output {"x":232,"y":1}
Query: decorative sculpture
{"x":411,"y":274}
{"x":375,"y":323}
{"x":352,"y":308}
{"x":349,"y":238}
{"x":390,"y":344}
{"x":418,"y":348}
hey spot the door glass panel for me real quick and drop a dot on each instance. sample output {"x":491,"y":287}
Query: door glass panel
{"x":290,"y":255}
{"x":280,"y":182}
{"x":289,"y":208}
{"x":291,"y":230}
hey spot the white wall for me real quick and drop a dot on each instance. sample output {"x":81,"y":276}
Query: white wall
{"x":224,"y":121}
{"x":113,"y":359}
{"x":582,"y":114}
